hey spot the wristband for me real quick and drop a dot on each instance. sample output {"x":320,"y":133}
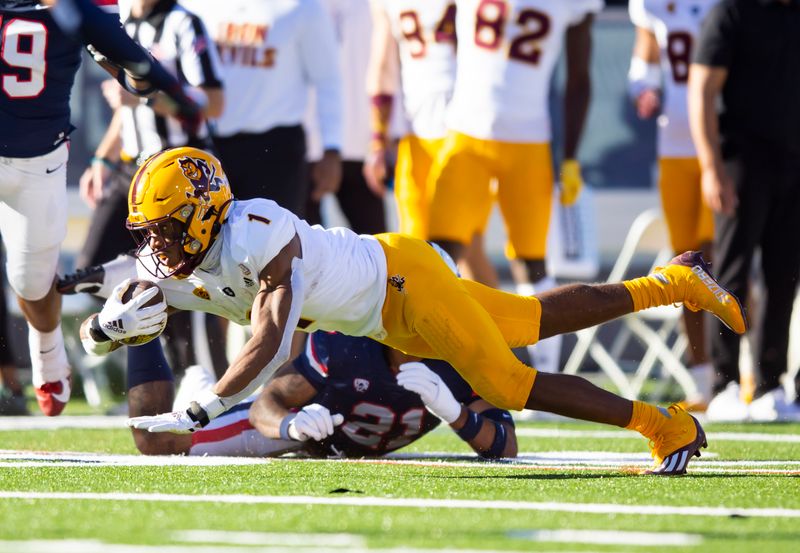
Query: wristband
{"x":471,"y":427}
{"x":123,"y":81}
{"x":495,"y":451}
{"x":96,"y":333}
{"x":498,"y":415}
{"x":105,"y":161}
{"x":284,"y":429}
{"x":198,"y":414}
{"x":211,"y":403}
{"x":643,"y":76}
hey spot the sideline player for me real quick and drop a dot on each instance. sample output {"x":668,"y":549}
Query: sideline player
{"x":499,"y":128}
{"x":342,"y":397}
{"x":254,"y":262}
{"x":665,"y":36}
{"x":414,"y":57}
{"x":38,"y":66}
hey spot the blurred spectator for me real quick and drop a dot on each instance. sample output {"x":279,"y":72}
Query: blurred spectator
{"x":499,"y":128}
{"x":272,"y":53}
{"x":659,"y":71}
{"x":363,"y":208}
{"x":414,"y":60}
{"x":750,"y":158}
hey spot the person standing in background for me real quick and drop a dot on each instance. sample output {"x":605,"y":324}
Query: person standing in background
{"x":665,"y":37}
{"x":414,"y":59}
{"x":749,"y":153}
{"x":499,"y":128}
{"x":363,"y":208}
{"x":272,"y":53}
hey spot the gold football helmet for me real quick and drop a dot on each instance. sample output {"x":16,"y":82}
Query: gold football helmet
{"x":177,"y":203}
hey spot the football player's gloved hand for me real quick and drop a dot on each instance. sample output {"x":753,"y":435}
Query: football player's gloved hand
{"x":437,"y":397}
{"x":120,"y":320}
{"x":313,"y":422}
{"x":571,"y":181}
{"x":177,"y":422}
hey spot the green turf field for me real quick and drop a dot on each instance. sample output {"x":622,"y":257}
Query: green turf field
{"x":570,"y":492}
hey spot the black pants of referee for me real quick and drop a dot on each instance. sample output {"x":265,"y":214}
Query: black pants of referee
{"x":767,"y":218}
{"x":267,"y":165}
{"x":108,"y":237}
{"x":363,"y":209}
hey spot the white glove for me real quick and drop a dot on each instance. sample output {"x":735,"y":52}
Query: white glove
{"x":437,"y":397}
{"x":177,"y":422}
{"x":311,"y":422}
{"x":127,"y":320}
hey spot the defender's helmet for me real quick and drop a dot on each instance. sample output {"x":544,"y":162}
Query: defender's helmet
{"x":177,"y":202}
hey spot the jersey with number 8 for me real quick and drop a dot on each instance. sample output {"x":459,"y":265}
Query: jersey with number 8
{"x":675,"y":25}
{"x":507,"y":50}
{"x":425,"y":33}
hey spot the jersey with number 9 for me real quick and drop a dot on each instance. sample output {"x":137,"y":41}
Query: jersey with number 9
{"x":37,"y":68}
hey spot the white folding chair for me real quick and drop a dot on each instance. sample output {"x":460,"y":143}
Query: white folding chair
{"x":658,"y":329}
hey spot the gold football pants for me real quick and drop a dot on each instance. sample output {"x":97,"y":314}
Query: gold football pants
{"x":689,"y":219}
{"x":430,"y":312}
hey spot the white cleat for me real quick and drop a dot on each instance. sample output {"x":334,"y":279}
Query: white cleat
{"x":727,"y":406}
{"x":774,"y":407}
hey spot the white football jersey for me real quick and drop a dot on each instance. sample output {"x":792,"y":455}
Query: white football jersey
{"x":271,"y":52}
{"x":344,"y":273}
{"x":425,"y":33}
{"x":352,"y":23}
{"x":507,"y":50}
{"x":676,"y":25}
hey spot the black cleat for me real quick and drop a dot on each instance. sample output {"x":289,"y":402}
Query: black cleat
{"x":87,"y":281}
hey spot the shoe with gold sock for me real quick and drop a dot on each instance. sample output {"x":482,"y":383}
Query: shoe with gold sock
{"x":675,"y":436}
{"x":689,"y":276}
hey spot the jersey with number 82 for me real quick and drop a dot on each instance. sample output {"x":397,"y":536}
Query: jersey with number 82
{"x":675,"y":25}
{"x":426,"y":37}
{"x":507,"y":50}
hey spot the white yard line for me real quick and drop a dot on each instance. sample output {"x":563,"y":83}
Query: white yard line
{"x":243,"y":499}
{"x":621,"y":434}
{"x":270,"y":538}
{"x":610,"y":537}
{"x":56,"y":423}
{"x":553,"y":461}
{"x":96,"y":546}
{"x":105,"y":422}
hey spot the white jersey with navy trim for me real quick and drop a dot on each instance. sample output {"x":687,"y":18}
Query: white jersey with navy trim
{"x":507,"y":50}
{"x":676,"y":26}
{"x":344,"y":273}
{"x":178,"y":39}
{"x":272,"y":51}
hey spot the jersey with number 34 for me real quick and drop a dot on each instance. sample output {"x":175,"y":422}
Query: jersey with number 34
{"x":507,"y":50}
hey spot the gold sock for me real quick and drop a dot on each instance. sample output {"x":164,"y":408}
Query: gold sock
{"x":651,"y":291}
{"x":646,"y":419}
